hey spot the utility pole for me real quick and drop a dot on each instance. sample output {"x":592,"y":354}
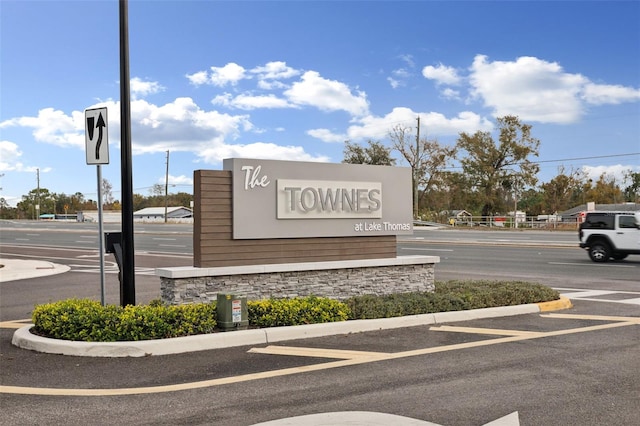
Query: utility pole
{"x":515,"y":206}
{"x":166,"y":190}
{"x":38,"y":194}
{"x":1,"y":204}
{"x":415,"y":173}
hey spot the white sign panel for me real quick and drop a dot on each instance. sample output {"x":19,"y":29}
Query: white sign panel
{"x":96,"y":136}
{"x":291,"y":199}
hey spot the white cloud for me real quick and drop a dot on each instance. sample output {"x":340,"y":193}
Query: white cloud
{"x":259,"y":150}
{"x":230,"y":74}
{"x":249,"y":102}
{"x":276,"y":70}
{"x":401,"y":73}
{"x":435,"y":124}
{"x":325,"y":135}
{"x":176,"y":180}
{"x":616,"y":172}
{"x":408,"y":59}
{"x":53,"y":127}
{"x":268,"y":75}
{"x":531,"y":88}
{"x":271,"y":85}
{"x":449,"y":93}
{"x":442,"y":74}
{"x":394,"y":83}
{"x":599,"y":94}
{"x":311,"y":90}
{"x":327,"y":95}
{"x":398,"y":77}
{"x":199,"y":78}
{"x":177,"y":126}
{"x":139,"y":87}
{"x":181,"y":125}
{"x":9,"y":156}
{"x":465,"y":121}
{"x":225,"y":100}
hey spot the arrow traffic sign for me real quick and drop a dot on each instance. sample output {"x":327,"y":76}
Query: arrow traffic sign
{"x":96,"y":136}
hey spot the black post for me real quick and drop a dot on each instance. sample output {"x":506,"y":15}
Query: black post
{"x":127,"y":270}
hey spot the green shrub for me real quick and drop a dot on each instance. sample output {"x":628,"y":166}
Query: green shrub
{"x":87,"y":320}
{"x":450,"y":296}
{"x":296,"y":311}
{"x":487,"y":294}
{"x":397,"y":305}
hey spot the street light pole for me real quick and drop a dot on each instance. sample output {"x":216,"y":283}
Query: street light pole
{"x":127,"y":283}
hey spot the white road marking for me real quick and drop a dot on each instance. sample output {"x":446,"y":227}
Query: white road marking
{"x":608,"y":265}
{"x":425,"y":249}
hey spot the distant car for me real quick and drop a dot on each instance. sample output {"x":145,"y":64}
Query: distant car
{"x":610,"y":235}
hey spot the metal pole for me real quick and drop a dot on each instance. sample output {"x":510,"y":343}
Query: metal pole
{"x":101,"y":236}
{"x":416,"y":205}
{"x":127,"y":291}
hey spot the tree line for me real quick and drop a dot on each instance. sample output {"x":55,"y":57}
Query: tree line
{"x":496,"y":176}
{"x":63,"y":204}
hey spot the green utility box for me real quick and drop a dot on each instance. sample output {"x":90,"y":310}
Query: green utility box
{"x":232,"y":312}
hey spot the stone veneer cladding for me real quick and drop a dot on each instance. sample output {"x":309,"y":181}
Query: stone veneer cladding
{"x":333,"y":283}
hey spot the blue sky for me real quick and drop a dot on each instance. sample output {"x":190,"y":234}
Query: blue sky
{"x":293,"y":80}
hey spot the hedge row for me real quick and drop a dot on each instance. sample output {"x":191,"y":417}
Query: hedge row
{"x":450,"y":296}
{"x":88,"y":320}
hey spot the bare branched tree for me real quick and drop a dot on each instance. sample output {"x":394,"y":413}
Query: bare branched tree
{"x":428,"y":161}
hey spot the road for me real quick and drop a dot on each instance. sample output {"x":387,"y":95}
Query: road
{"x":574,"y":367}
{"x":550,"y":258}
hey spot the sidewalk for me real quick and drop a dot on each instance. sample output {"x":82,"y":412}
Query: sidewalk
{"x":18,"y":269}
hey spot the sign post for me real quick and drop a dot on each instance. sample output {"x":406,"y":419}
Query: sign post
{"x":97,"y":152}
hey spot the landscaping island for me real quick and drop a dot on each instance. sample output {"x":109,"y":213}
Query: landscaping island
{"x":83,"y":320}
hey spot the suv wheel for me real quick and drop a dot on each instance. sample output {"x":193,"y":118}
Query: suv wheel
{"x":599,"y":252}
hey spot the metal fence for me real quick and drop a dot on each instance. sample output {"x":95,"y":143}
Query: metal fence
{"x":519,"y":222}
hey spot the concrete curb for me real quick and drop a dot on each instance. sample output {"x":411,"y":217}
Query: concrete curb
{"x":350,"y":418}
{"x":24,"y":339}
{"x":555,"y":305}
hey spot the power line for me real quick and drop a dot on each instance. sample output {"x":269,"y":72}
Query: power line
{"x":595,"y":157}
{"x":587,"y":158}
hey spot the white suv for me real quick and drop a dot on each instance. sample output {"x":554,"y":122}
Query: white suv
{"x":610,"y":235}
